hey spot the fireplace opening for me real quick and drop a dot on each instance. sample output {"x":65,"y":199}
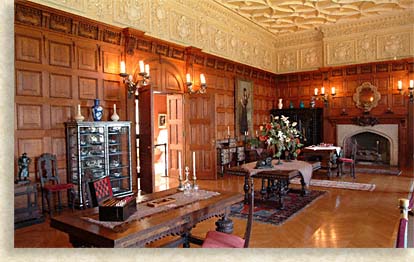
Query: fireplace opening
{"x":372,"y":148}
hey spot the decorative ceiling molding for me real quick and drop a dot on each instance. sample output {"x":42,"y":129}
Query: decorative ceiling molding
{"x":219,"y":29}
{"x":281,"y":17}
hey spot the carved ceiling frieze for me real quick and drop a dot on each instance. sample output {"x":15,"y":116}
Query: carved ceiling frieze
{"x":264,"y":34}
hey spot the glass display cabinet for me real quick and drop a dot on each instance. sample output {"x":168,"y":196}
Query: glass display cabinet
{"x":96,"y":150}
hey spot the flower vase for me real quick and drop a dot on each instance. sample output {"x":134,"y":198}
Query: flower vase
{"x":97,"y":111}
{"x":79,"y":117}
{"x":287,"y":156}
{"x":115,"y":116}
{"x":280,"y":104}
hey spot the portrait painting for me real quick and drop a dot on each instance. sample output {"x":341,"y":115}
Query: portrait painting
{"x":243,"y":106}
{"x":162,"y":120}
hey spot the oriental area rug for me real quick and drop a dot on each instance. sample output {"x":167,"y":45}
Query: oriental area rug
{"x":267,"y":211}
{"x":338,"y":184}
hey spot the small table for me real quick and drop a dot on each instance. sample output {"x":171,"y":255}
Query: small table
{"x":326,"y":155}
{"x":287,"y":170}
{"x":174,"y":222}
{"x":281,"y":186}
{"x":26,"y":209}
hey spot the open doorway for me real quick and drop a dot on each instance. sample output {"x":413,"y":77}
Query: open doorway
{"x":160,"y":141}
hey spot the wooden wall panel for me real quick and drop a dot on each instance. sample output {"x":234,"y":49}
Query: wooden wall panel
{"x":59,"y":115}
{"x":111,"y":90}
{"x":60,"y":54}
{"x":59,"y":148}
{"x":111,"y":62}
{"x":87,"y":58}
{"x":28,"y":83}
{"x":29,"y":116}
{"x":60,"y":86}
{"x":28,"y":48}
{"x":88,"y":87}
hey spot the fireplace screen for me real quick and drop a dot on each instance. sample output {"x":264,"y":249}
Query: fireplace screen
{"x":372,"y":148}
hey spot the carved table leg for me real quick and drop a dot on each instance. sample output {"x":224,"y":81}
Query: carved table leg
{"x":225,"y":225}
{"x":263,"y":191}
{"x":186,"y":241}
{"x":304,"y":190}
{"x":246,"y":188}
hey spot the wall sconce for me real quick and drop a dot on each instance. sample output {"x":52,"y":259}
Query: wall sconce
{"x":323,"y":95}
{"x":203,"y":85}
{"x":144,"y":72}
{"x":410,"y":89}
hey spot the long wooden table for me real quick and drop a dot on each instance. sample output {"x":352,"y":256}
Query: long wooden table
{"x":174,"y":222}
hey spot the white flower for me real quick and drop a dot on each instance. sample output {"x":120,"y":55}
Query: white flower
{"x":294,"y":124}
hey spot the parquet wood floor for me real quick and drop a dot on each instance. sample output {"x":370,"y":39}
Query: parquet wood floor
{"x":340,"y":219}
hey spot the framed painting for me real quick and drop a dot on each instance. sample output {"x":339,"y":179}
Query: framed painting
{"x":243,"y":106}
{"x":162,"y":120}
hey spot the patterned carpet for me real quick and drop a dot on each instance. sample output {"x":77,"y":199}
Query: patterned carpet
{"x":268,"y":212}
{"x":338,"y":184}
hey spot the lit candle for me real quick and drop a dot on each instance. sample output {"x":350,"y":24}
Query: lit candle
{"x":202,"y":79}
{"x":245,"y":133}
{"x":322,"y":90}
{"x":147,"y":69}
{"x":228,"y":130}
{"x":188,"y":78}
{"x":123,"y":68}
{"x":316,"y":91}
{"x":194,"y":166}
{"x":141,"y":66}
{"x":399,"y":85}
{"x":411,"y":83}
{"x":180,"y":176}
{"x":333,"y":91}
{"x":256,"y":133}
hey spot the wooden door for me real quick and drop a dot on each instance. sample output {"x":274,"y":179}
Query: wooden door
{"x":175,"y":132}
{"x":146,"y":139}
{"x":200,"y":134}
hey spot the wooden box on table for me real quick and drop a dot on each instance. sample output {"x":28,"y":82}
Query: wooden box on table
{"x":111,"y":208}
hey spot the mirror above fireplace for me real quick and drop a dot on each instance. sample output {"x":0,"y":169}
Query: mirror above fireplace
{"x":366,"y":96}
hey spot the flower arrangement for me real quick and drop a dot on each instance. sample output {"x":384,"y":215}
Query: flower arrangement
{"x":283,"y":135}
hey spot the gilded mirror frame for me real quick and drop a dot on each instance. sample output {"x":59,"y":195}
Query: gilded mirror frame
{"x":362,"y":103}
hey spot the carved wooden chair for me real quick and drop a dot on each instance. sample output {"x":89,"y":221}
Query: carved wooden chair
{"x":351,"y":161}
{"x":215,"y":239}
{"x":50,"y":183}
{"x":402,"y":234}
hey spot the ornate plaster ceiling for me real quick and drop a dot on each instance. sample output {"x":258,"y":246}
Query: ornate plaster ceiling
{"x":281,"y":17}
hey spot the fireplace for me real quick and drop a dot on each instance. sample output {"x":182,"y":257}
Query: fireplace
{"x":372,"y":148}
{"x":377,"y":144}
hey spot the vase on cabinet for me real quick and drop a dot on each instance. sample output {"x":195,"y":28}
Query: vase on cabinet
{"x":79,"y":117}
{"x":97,"y":111}
{"x":280,"y":104}
{"x":115,"y":116}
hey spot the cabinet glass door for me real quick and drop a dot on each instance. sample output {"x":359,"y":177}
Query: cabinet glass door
{"x":119,"y":159}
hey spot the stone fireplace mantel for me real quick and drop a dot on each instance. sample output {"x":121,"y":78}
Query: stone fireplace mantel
{"x":389,"y":131}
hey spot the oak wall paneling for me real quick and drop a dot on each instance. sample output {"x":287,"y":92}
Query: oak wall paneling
{"x":392,"y":107}
{"x":55,"y":70}
{"x":63,"y":60}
